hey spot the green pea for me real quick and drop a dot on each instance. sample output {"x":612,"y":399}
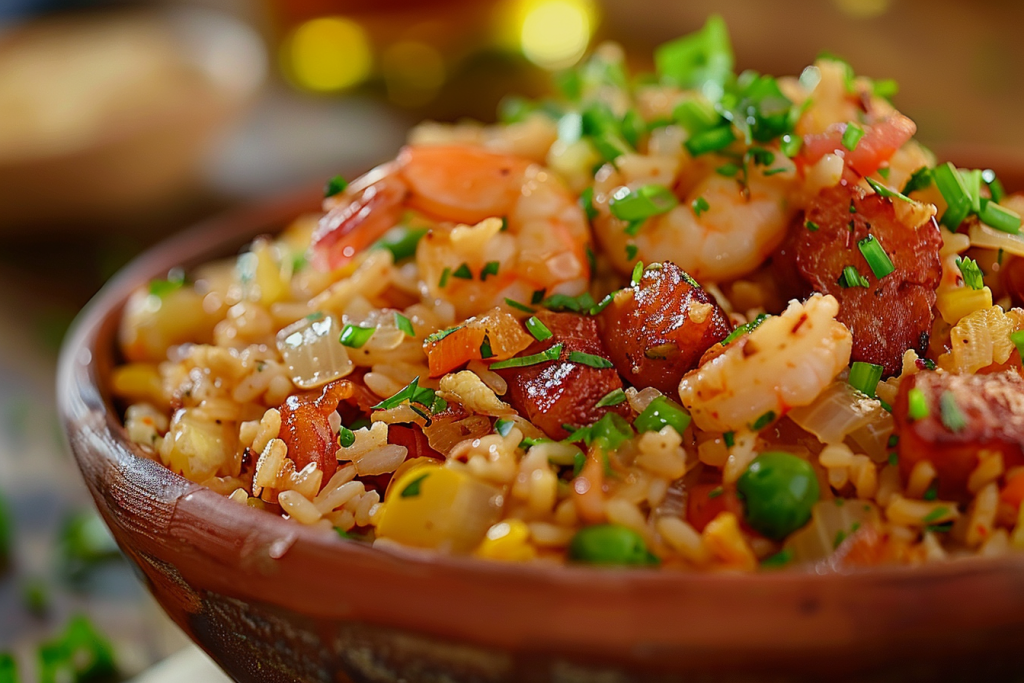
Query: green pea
{"x":610,"y":544}
{"x":660,"y":412}
{"x":778,"y":491}
{"x":401,"y":241}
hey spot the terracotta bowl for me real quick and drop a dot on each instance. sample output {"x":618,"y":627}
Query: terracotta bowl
{"x":272,"y":601}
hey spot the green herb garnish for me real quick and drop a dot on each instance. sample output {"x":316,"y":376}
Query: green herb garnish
{"x":525,"y":361}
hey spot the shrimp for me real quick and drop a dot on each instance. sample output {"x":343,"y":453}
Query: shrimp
{"x":783,"y":363}
{"x":504,"y":227}
{"x":731,"y":238}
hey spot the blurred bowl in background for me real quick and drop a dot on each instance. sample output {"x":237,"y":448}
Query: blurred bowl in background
{"x":112,"y":113}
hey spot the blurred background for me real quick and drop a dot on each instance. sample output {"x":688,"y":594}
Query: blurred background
{"x":122,"y":122}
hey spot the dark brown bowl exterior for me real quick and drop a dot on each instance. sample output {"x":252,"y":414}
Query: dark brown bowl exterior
{"x":273,"y":601}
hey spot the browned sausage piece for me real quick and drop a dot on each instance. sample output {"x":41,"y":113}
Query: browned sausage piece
{"x":890,"y":315}
{"x":561,"y":392}
{"x":657,"y":330}
{"x":965,"y":414}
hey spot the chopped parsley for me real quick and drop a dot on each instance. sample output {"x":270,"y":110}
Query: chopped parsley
{"x":490,"y":268}
{"x":335,"y":185}
{"x":699,"y":206}
{"x":463,"y":272}
{"x":763,"y":421}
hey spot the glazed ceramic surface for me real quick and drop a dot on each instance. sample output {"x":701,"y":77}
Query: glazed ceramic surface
{"x":273,"y":601}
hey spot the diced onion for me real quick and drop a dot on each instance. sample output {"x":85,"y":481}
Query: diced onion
{"x":840,"y":411}
{"x":830,"y":522}
{"x":312,"y":353}
{"x":983,"y":236}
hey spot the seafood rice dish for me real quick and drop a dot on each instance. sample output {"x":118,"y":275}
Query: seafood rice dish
{"x":689,"y":319}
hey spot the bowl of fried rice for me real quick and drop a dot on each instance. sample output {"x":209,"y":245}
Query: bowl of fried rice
{"x":692,"y":373}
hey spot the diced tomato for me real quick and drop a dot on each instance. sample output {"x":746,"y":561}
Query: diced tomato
{"x":880,"y":141}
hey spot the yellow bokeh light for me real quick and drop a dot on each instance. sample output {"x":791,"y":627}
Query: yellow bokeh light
{"x":863,"y":9}
{"x":328,"y":54}
{"x":414,"y":72}
{"x":554,"y":34}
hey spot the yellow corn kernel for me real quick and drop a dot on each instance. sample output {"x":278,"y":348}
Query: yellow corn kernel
{"x":955,"y":304}
{"x":431,"y":506}
{"x":507,"y":541}
{"x":723,"y":538}
{"x":139,"y":382}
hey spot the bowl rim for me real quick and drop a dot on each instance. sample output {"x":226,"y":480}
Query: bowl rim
{"x":101,"y":448}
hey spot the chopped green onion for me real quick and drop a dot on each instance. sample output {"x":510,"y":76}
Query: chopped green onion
{"x":999,"y":217}
{"x":463,"y":272}
{"x":445,"y":274}
{"x":490,"y":268}
{"x":503,"y":426}
{"x":412,"y":489}
{"x":972,"y":181}
{"x":894,"y":459}
{"x":564,"y":302}
{"x":952,"y":417}
{"x":715,"y":492}
{"x":728,"y":170}
{"x":917,"y":405}
{"x":662,"y":412}
{"x":775,"y":171}
{"x":587,"y":203}
{"x":852,"y":135}
{"x":612,"y":398}
{"x":354,"y":336}
{"x":936,"y":514}
{"x":886,"y":192}
{"x":538,"y":329}
{"x":346,"y":437}
{"x":971,"y":271}
{"x":954,"y":191}
{"x":1017,"y":338}
{"x":879,"y":262}
{"x":518,"y":306}
{"x":335,"y":185}
{"x":932,"y":493}
{"x":578,"y":461}
{"x":601,"y":305}
{"x":884,"y":172}
{"x":763,"y":421}
{"x":779,"y":559}
{"x":995,"y":187}
{"x":812,"y":226}
{"x":919,"y":180}
{"x":633,"y":127}
{"x":729,"y":439}
{"x":641,"y":203}
{"x":504,"y":224}
{"x":853,"y":207}
{"x":710,"y":141}
{"x":441,"y":334}
{"x":537,"y":296}
{"x":790,"y":144}
{"x":885,"y":87}
{"x":485,"y":348}
{"x":851,"y":277}
{"x":864,"y":377}
{"x":638,"y":273}
{"x":633,"y":228}
{"x":525,"y":361}
{"x":699,"y":206}
{"x":631,"y":251}
{"x":746,"y":328}
{"x":590,"y":360}
{"x":701,"y":60}
{"x":696,"y":116}
{"x":404,"y":324}
{"x":175,"y":281}
{"x":401,"y":241}
{"x":610,"y":146}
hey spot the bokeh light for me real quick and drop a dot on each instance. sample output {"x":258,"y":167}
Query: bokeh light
{"x":328,"y":54}
{"x":413,"y":71}
{"x":863,"y":9}
{"x":553,"y":34}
